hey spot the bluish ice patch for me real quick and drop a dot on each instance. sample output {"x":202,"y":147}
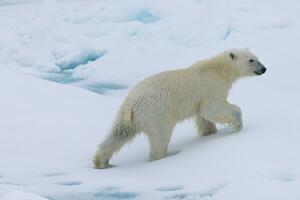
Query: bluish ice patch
{"x":70,"y":183}
{"x":109,"y":193}
{"x":64,"y":77}
{"x":169,"y":189}
{"x":82,"y":59}
{"x":145,"y":17}
{"x":112,"y":193}
{"x":102,"y":88}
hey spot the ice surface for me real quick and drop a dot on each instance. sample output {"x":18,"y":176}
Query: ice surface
{"x":17,"y":195}
{"x":75,"y":60}
{"x":145,"y":17}
{"x":50,"y":128}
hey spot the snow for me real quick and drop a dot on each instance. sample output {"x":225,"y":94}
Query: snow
{"x":66,"y":66}
{"x":16,"y":195}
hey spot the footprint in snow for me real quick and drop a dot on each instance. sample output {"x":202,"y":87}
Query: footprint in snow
{"x":54,"y":174}
{"x":106,"y":193}
{"x":197,"y":195}
{"x":281,"y":175}
{"x":169,"y":188}
{"x":69,"y":183}
{"x":12,"y":183}
{"x":114,"y":193}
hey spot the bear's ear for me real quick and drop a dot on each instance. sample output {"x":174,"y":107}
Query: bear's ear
{"x":232,"y":56}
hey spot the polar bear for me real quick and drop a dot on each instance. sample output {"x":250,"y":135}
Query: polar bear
{"x":155,"y":105}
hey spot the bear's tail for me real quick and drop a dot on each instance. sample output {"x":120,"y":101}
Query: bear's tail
{"x":121,"y":133}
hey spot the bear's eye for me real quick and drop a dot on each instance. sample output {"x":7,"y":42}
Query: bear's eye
{"x":251,"y":60}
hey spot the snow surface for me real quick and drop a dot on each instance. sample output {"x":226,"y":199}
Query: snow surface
{"x":56,"y":57}
{"x":22,"y":195}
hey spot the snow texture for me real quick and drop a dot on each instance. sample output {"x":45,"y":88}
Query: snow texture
{"x":66,"y":66}
{"x":16,"y":195}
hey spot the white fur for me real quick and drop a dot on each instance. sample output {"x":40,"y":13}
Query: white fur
{"x":155,"y":105}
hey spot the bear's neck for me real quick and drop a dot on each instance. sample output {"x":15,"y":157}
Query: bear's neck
{"x":222,"y":70}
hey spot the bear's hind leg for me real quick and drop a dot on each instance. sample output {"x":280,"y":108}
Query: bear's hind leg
{"x":111,"y":145}
{"x":159,"y":142}
{"x":205,"y":127}
{"x":120,"y":134}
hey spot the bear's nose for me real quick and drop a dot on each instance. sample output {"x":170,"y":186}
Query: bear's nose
{"x":263,"y":70}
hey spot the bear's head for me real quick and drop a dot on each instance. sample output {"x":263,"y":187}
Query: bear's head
{"x":245,"y":62}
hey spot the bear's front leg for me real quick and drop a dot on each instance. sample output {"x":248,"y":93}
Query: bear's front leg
{"x":237,"y":123}
{"x":223,"y":112}
{"x":204,"y":127}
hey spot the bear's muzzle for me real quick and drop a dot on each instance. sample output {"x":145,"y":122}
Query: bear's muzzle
{"x":261,"y":69}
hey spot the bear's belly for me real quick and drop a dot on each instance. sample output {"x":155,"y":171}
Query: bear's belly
{"x":185,"y":111}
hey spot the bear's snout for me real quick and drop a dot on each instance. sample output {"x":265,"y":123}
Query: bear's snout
{"x":261,"y":69}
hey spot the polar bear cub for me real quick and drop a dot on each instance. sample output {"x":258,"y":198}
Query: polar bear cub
{"x":155,"y":105}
